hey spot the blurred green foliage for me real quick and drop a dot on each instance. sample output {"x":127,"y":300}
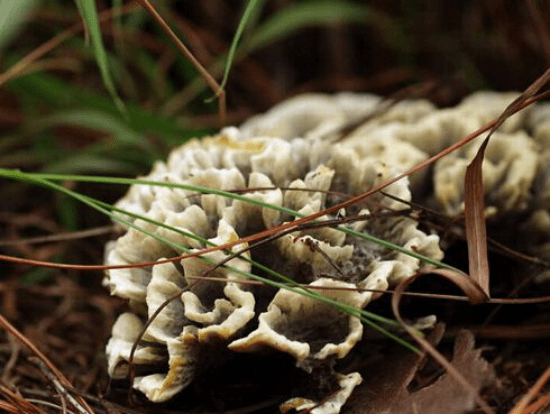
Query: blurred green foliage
{"x":116,"y":95}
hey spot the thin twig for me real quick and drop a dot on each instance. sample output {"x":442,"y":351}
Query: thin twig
{"x":22,"y":404}
{"x":10,"y":408}
{"x":19,"y":336}
{"x":66,"y":236}
{"x":457,"y":221}
{"x":49,"y":404}
{"x":209,"y":79}
{"x":413,"y":91}
{"x":519,"y":407}
{"x":14,"y":355}
{"x":131,"y":366}
{"x":57,"y":384}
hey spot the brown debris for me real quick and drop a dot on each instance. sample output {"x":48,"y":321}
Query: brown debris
{"x":388,"y":392}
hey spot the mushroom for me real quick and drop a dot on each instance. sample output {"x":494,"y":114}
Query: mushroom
{"x":300,"y":175}
{"x":293,"y":158}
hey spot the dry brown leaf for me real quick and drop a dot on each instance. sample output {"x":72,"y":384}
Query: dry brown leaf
{"x":388,"y":392}
{"x":474,"y":216}
{"x":469,"y":286}
{"x":386,"y":381}
{"x":474,"y":195}
{"x":427,"y":346}
{"x":446,"y":395}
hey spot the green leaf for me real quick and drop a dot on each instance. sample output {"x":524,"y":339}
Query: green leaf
{"x":12,"y":18}
{"x":91,"y":163}
{"x":88,"y":11}
{"x":322,"y":13}
{"x":49,"y":90}
{"x":97,"y":120}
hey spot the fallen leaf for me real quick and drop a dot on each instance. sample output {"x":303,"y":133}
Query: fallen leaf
{"x":388,"y":392}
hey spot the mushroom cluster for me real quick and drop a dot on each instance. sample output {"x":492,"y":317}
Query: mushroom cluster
{"x":288,"y":163}
{"x":257,"y":182}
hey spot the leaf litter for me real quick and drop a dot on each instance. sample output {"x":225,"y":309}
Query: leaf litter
{"x":387,"y":386}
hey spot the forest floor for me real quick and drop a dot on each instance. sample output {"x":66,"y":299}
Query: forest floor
{"x":67,"y":315}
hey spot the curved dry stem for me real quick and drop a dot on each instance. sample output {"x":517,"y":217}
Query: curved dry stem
{"x":131,"y":366}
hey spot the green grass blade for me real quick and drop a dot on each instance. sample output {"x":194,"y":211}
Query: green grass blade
{"x":302,"y":15}
{"x":248,"y":12}
{"x":365,"y":316}
{"x":88,"y":11}
{"x":36,"y":276}
{"x":206,"y":242}
{"x":207,"y":190}
{"x":86,"y":162}
{"x":12,"y":18}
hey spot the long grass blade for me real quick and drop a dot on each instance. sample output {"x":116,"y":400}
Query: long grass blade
{"x":100,"y":121}
{"x":250,"y":8}
{"x":287,"y":283}
{"x":295,"y":17}
{"x":89,"y":14}
{"x":366,"y":317}
{"x":23,"y":63}
{"x":55,"y":92}
{"x":206,"y":190}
